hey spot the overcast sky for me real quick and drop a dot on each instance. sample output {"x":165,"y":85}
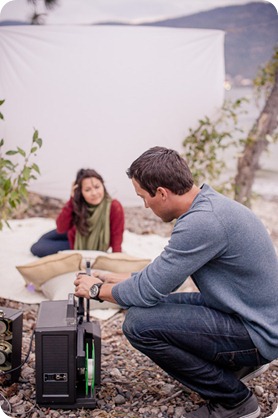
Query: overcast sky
{"x":74,"y":11}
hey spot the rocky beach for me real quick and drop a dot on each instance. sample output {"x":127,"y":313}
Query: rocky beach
{"x":131,"y":385}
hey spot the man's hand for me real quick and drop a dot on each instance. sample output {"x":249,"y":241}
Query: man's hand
{"x":111,"y":277}
{"x":82,"y":283}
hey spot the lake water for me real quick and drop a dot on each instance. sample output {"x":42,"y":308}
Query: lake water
{"x":266,"y":182}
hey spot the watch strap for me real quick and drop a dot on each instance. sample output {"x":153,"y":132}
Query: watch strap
{"x":97,"y":296}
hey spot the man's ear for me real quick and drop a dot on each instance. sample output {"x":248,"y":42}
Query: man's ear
{"x":163,"y":192}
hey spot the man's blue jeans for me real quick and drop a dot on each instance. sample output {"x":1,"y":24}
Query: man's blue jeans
{"x":198,"y":346}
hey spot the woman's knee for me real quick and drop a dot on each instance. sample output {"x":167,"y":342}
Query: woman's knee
{"x":39,"y":250}
{"x":35,"y":250}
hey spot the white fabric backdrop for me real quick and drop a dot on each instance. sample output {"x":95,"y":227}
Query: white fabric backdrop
{"x":101,"y":95}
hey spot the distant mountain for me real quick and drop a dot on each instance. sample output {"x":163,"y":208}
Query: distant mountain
{"x":251,"y":34}
{"x":13,"y":23}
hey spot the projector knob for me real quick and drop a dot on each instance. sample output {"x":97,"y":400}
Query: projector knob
{"x":3,"y":326}
{"x":5,"y":350}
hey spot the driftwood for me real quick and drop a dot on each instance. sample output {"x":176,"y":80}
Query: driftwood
{"x":257,"y":142}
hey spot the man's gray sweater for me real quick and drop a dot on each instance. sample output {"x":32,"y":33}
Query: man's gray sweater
{"x":228,"y":253}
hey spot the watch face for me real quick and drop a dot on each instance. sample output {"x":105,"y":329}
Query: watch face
{"x":94,"y":291}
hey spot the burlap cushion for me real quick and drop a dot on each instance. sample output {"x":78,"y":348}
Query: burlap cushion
{"x":87,"y":255}
{"x":39,"y":271}
{"x":120,"y":263}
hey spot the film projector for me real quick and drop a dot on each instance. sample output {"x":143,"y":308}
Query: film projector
{"x":68,"y":355}
{"x":67,"y":352}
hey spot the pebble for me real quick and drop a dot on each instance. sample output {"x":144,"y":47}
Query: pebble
{"x":179,"y":412}
{"x":259,"y":390}
{"x":119,"y":400}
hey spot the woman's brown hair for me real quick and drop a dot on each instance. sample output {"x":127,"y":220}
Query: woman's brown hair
{"x":80,"y":206}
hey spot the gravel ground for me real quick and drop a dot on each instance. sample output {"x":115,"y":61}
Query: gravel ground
{"x":131,"y":385}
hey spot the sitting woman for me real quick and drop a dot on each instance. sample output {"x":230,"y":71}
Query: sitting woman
{"x":90,"y":220}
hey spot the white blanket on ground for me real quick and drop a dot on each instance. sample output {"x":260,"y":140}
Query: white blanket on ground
{"x":15,"y":246}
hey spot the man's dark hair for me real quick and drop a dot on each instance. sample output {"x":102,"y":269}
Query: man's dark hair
{"x":161,"y":167}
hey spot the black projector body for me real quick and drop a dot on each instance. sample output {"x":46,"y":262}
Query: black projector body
{"x":68,"y":355}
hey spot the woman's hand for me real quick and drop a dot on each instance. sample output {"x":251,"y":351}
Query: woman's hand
{"x":73,"y":188}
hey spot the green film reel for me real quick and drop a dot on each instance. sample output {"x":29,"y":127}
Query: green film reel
{"x":89,"y":369}
{"x":86,"y":370}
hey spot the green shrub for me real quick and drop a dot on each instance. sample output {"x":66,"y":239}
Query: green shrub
{"x":16,"y":172}
{"x":203,"y":147}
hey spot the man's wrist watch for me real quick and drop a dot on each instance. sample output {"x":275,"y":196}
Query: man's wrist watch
{"x":94,"y":291}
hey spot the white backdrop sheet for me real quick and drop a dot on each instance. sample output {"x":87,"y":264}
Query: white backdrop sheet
{"x":101,"y":95}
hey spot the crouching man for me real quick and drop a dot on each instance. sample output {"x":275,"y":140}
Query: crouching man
{"x":212,"y":340}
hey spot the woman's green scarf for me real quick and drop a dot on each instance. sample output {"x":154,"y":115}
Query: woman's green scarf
{"x":99,"y":228}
